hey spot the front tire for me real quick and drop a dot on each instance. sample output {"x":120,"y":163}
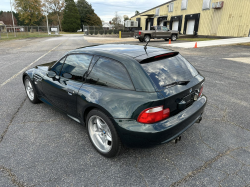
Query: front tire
{"x":30,"y":90}
{"x":102,"y":134}
{"x":174,"y":37}
{"x":141,"y":40}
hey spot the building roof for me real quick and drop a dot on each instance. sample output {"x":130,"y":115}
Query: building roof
{"x":154,"y":8}
{"x":2,"y":23}
{"x":108,"y":24}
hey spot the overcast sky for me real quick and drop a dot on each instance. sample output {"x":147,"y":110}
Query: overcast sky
{"x":106,"y":9}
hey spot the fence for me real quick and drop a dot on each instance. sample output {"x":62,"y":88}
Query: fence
{"x":95,"y":30}
{"x":27,"y":31}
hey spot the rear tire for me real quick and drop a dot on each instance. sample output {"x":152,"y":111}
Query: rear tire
{"x":102,"y":134}
{"x":141,"y":40}
{"x":174,"y":37}
{"x":147,"y":38}
{"x":30,"y":90}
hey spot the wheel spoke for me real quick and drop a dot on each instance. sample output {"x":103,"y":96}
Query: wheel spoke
{"x":99,"y":123}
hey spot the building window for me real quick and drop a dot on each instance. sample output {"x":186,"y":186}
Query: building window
{"x":171,"y":7}
{"x":206,"y":4}
{"x":157,"y":11}
{"x":184,"y":4}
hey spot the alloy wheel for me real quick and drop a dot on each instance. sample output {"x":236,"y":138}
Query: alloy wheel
{"x":29,"y":89}
{"x":100,"y":133}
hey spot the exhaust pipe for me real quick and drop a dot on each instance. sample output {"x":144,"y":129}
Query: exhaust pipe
{"x":199,"y":120}
{"x":177,"y":139}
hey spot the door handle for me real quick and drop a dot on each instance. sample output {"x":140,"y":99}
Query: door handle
{"x":71,"y":92}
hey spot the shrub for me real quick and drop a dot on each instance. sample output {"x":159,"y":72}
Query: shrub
{"x":101,"y":32}
{"x":110,"y":32}
{"x":91,"y":32}
{"x":116,"y":32}
{"x":96,"y":32}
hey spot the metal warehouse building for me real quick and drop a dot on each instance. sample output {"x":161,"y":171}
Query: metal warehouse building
{"x":228,"y":18}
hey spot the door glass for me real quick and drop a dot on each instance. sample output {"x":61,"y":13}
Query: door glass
{"x":76,"y":66}
{"x":58,"y":66}
{"x":107,"y":72}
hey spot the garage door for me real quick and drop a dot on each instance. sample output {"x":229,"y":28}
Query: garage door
{"x":190,"y":27}
{"x":175,"y":25}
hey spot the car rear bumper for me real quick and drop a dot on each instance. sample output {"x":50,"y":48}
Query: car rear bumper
{"x":136,"y":134}
{"x":137,"y":37}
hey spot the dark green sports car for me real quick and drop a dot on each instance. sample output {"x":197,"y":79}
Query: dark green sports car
{"x":124,"y":94}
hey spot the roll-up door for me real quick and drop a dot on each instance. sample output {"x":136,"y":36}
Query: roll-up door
{"x":190,"y":26}
{"x":175,"y":25}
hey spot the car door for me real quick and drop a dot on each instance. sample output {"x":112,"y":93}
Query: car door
{"x":159,"y":32}
{"x":66,"y":86}
{"x":166,"y":31}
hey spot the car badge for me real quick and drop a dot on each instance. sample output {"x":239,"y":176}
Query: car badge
{"x":190,"y":91}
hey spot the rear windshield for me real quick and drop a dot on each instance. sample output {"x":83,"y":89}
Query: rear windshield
{"x":169,"y":70}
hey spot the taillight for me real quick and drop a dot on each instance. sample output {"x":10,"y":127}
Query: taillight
{"x":139,"y":33}
{"x":153,"y":115}
{"x":201,"y":90}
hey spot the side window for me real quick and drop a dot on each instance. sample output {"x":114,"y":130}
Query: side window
{"x":58,"y":66}
{"x":164,"y":28}
{"x":107,"y":72}
{"x":76,"y":66}
{"x":158,"y":28}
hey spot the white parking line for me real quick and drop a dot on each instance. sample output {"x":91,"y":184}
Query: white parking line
{"x":14,"y":76}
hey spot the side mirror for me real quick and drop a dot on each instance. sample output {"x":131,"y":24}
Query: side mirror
{"x":67,"y":75}
{"x":51,"y":74}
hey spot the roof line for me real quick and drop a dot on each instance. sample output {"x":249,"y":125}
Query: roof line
{"x":154,"y":8}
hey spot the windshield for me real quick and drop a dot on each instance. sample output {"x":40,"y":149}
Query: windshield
{"x":169,"y":70}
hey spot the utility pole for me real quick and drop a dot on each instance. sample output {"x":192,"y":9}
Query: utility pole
{"x":47,"y":18}
{"x":12,"y":18}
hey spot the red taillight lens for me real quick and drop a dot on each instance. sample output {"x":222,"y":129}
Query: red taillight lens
{"x":152,"y":115}
{"x":139,"y":33}
{"x":201,"y":90}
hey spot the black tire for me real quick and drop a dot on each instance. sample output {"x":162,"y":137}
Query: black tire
{"x":115,"y":144}
{"x":33,"y":99}
{"x":174,"y":37}
{"x":141,"y":40}
{"x":147,"y":38}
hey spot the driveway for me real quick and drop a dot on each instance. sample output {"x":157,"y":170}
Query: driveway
{"x":42,"y":147}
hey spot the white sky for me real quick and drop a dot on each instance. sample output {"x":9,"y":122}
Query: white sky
{"x":106,"y":9}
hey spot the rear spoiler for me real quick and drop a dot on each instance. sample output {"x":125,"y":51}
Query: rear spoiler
{"x":159,"y":57}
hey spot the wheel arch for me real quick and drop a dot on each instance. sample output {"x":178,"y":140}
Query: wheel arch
{"x":93,"y":106}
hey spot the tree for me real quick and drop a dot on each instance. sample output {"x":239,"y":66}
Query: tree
{"x":71,"y":17}
{"x":55,"y":7}
{"x":87,"y":14}
{"x":30,"y":11}
{"x":116,"y":20}
{"x":137,"y":12}
{"x":125,"y":17}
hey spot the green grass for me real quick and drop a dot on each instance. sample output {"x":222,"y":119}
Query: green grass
{"x":197,"y":39}
{"x":23,"y":35}
{"x":71,"y":32}
{"x":246,"y":44}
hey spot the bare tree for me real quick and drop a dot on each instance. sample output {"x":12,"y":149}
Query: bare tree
{"x":55,"y":6}
{"x":117,"y":20}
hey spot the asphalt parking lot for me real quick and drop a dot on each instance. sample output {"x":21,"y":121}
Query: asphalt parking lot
{"x":41,"y":147}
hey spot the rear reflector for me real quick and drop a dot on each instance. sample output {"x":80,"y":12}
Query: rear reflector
{"x":153,"y":115}
{"x":201,"y":90}
{"x":139,"y":33}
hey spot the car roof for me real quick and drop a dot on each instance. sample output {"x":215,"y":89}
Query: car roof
{"x":130,"y":56}
{"x":132,"y":51}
